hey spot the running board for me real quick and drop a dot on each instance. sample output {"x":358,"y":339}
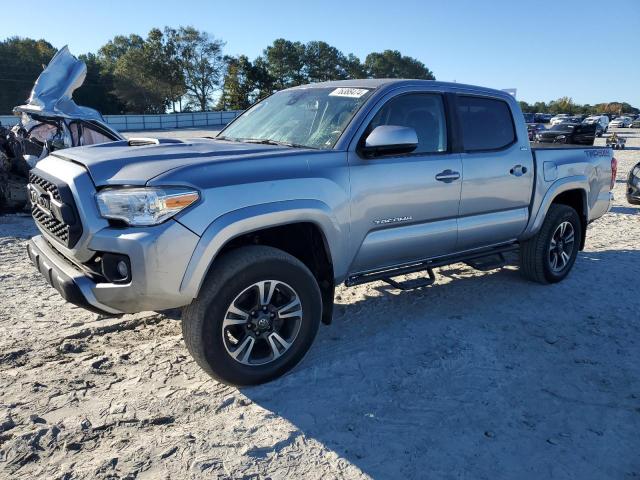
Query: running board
{"x":473,"y":259}
{"x":414,"y":283}
{"x":490,"y":262}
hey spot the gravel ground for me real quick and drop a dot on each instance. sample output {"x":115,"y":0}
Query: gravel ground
{"x":480,"y":376}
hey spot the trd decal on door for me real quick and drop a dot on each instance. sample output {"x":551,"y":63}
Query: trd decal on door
{"x":385,"y":221}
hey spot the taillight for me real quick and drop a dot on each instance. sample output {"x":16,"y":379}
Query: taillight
{"x":614,"y":172}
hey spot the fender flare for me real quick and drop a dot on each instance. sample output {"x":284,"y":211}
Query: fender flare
{"x":258,"y":217}
{"x":576,"y":182}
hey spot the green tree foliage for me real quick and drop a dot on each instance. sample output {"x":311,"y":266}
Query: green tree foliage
{"x":566,"y":105}
{"x":202,"y":63}
{"x":147,"y":73}
{"x":323,"y":63}
{"x":239,"y":87}
{"x":21,"y":61}
{"x":132,"y":74}
{"x":97,"y":89}
{"x":285,"y":62}
{"x":392,"y":64}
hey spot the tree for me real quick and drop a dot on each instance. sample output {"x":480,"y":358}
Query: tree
{"x":285,"y":62}
{"x":392,"y":64}
{"x":21,"y":61}
{"x":562,"y":105}
{"x":525,"y":107}
{"x":239,"y":85}
{"x":147,"y":74}
{"x":130,"y":61}
{"x":540,"y":107}
{"x":202,"y":64}
{"x":323,"y":62}
{"x":353,"y":67}
{"x":97,"y":89}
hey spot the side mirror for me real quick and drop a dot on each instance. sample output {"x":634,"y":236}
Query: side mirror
{"x":390,"y":140}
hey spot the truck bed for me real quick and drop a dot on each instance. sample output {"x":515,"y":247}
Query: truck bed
{"x":561,"y":146}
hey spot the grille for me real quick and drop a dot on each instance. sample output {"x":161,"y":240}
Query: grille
{"x":45,"y":185}
{"x":51,"y":225}
{"x":67,"y":234}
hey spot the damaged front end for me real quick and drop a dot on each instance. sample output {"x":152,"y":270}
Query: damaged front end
{"x":49,"y":121}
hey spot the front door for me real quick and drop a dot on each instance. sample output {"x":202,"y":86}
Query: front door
{"x":498,"y":174}
{"x":404,"y":207}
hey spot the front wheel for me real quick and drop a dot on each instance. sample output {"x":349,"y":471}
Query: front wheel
{"x":255,"y":318}
{"x":548,"y":257}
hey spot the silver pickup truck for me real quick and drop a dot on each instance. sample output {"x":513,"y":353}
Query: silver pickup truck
{"x":350,"y":181}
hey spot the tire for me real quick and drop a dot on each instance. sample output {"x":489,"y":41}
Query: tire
{"x":232,"y":284}
{"x":536,"y":255}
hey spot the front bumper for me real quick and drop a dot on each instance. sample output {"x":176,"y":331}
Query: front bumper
{"x":158,"y":255}
{"x":59,"y":273}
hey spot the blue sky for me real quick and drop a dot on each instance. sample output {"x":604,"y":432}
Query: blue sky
{"x":585,"y":49}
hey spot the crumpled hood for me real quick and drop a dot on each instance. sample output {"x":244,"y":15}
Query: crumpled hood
{"x":52,"y":93}
{"x":119,"y":163}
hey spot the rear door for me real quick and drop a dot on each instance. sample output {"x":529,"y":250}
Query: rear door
{"x":497,"y":173}
{"x":404,"y":207}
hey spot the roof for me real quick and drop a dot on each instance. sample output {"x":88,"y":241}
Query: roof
{"x":385,"y":82}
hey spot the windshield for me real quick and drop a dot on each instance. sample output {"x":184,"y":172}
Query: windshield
{"x":304,"y":117}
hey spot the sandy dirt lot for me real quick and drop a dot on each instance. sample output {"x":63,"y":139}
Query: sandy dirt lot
{"x":480,"y":376}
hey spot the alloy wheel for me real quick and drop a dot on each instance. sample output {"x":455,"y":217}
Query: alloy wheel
{"x":262,"y":322}
{"x":561,"y":246}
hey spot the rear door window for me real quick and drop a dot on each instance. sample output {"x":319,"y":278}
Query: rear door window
{"x":486,"y":123}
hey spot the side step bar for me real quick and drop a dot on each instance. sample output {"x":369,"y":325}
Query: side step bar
{"x":484,"y":259}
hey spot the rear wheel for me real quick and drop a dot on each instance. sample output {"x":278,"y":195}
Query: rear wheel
{"x":255,"y":318}
{"x":549,"y":256}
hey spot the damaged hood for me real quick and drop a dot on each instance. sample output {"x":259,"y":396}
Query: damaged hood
{"x":137,"y":161}
{"x":51,"y":95}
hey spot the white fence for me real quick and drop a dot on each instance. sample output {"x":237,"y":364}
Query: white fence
{"x":124,"y":123}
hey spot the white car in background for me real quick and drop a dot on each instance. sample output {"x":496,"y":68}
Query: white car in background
{"x":601,"y":120}
{"x":558,"y":118}
{"x":621,"y":122}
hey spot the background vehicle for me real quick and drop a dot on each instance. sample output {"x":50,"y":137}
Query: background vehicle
{"x":601,"y":120}
{"x":569,"y":133}
{"x":49,"y":121}
{"x":558,"y":118}
{"x":633,"y":185}
{"x":534,"y":129}
{"x":543,"y":117}
{"x":620,"y":122}
{"x":636,"y":123}
{"x":350,"y":181}
{"x":572,"y":120}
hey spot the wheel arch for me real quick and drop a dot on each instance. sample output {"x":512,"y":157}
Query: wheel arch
{"x":576,"y":198}
{"x":304,"y":229}
{"x":569,"y":191}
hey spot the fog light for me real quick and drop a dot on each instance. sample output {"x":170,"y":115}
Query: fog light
{"x":123,"y":269}
{"x":116,"y":268}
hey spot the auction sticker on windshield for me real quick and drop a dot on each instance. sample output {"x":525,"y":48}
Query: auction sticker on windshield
{"x":348,"y":92}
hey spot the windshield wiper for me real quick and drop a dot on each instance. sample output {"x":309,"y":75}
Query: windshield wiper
{"x":222,"y":137}
{"x":266,"y":141}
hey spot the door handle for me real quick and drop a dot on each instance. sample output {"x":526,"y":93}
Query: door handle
{"x":448,"y":176}
{"x":518,"y":170}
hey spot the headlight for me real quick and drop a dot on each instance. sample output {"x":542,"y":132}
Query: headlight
{"x":144,"y":206}
{"x":636,"y":171}
{"x":561,"y":137}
